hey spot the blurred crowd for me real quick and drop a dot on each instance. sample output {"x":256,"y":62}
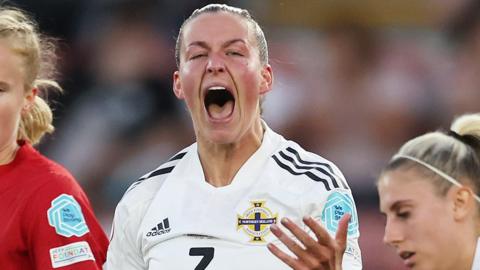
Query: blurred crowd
{"x":352,"y":88}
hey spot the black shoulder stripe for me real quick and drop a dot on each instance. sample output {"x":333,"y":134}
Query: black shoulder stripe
{"x":307,"y":173}
{"x":161,"y":171}
{"x":332,"y":178}
{"x":324,"y":164}
{"x":295,"y":152}
{"x":178,"y":156}
{"x":155,"y":173}
{"x":158,"y":172}
{"x":166,"y":169}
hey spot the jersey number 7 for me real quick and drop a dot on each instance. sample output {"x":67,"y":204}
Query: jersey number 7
{"x":206,"y":252}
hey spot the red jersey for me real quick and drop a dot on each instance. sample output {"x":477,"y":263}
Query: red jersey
{"x":46,"y":219}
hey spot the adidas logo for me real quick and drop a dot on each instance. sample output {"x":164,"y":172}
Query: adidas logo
{"x":161,"y":228}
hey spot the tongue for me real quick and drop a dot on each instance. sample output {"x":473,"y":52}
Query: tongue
{"x":219,"y":112}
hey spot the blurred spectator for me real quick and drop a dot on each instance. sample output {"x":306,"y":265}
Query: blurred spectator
{"x":463,"y":92}
{"x":129,"y":89}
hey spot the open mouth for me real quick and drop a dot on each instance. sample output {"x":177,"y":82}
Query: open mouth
{"x":219,"y":102}
{"x":407,"y":256}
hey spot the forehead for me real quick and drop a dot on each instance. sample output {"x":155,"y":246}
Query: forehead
{"x":404,"y":185}
{"x":11,"y":61}
{"x":215,"y":27}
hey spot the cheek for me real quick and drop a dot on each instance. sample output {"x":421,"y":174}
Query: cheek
{"x":10,"y":113}
{"x":433,"y":230}
{"x":190,"y":81}
{"x":250,"y":80}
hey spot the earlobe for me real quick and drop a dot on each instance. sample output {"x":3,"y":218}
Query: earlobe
{"x":177,"y":85}
{"x":267,"y":79}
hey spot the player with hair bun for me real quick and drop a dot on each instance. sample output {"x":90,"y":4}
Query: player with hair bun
{"x":429,"y":193}
{"x":47,"y":220}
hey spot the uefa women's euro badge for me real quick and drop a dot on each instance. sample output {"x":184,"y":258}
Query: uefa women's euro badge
{"x":66,"y":216}
{"x":336,"y":206}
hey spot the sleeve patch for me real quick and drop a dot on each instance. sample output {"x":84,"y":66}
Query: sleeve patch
{"x":65,"y":215}
{"x":336,"y":206}
{"x":70,"y":254}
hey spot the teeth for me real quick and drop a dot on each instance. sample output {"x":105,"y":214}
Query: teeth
{"x":214,"y":88}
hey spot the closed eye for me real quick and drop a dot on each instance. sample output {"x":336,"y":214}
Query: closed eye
{"x":234,"y":53}
{"x":196,"y":56}
{"x":4,"y":87}
{"x":403,"y":214}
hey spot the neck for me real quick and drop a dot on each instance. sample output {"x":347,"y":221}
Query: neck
{"x":466,"y":257}
{"x":7,"y":153}
{"x":221,"y":162}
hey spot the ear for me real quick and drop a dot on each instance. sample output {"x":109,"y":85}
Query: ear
{"x":267,"y":79}
{"x":177,"y":86}
{"x":463,"y":203}
{"x":29,"y":99}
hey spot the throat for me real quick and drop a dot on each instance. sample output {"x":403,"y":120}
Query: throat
{"x":220,"y":176}
{"x":221,"y":163}
{"x":216,"y":111}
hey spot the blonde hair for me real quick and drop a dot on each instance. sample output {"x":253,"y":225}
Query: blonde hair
{"x":38,"y":56}
{"x":455,"y":153}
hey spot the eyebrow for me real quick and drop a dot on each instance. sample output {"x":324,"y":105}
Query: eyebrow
{"x":227,"y":43}
{"x":230,"y":42}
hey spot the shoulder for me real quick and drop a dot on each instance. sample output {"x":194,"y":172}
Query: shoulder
{"x":143,"y":190}
{"x":43,"y":179}
{"x":157,"y":176}
{"x":52,"y":184}
{"x":294,"y":161}
{"x":132,"y":208}
{"x":37,"y":170}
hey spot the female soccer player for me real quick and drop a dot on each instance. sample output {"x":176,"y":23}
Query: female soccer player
{"x":429,"y":195}
{"x":211,"y":205}
{"x":47,"y":220}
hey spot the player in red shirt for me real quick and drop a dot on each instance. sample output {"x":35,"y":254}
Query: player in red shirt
{"x":47,"y":220}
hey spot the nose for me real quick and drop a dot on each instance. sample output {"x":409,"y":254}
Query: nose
{"x":393,"y":234}
{"x":215,"y":64}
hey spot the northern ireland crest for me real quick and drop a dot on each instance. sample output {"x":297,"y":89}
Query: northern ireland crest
{"x":256,"y":221}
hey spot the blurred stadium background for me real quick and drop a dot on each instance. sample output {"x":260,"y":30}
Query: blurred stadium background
{"x":353,"y":81}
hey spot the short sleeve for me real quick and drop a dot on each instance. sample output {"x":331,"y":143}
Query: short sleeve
{"x":124,"y":252}
{"x":61,"y":229}
{"x":327,"y":208}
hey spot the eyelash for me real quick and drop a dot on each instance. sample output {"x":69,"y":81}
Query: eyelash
{"x":197,"y":56}
{"x":230,"y":53}
{"x":234,"y":53}
{"x":403,"y":214}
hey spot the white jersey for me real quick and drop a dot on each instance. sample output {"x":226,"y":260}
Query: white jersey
{"x":476,"y":258}
{"x":173,"y":219}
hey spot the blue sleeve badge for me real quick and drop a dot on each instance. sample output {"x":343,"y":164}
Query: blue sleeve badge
{"x":66,"y":216}
{"x":336,"y":206}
